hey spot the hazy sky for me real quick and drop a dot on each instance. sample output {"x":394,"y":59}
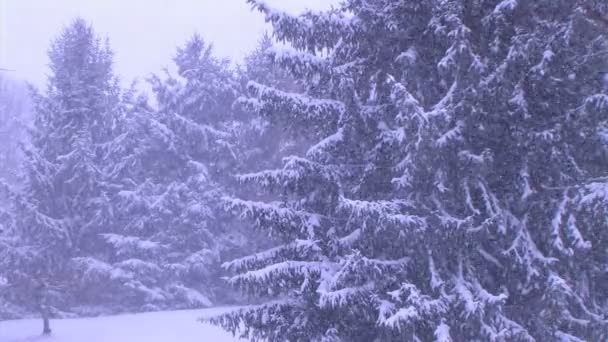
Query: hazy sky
{"x":143,"y":33}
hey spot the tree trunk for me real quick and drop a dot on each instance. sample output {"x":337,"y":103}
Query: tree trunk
{"x":46,"y":326}
{"x":43,"y":307}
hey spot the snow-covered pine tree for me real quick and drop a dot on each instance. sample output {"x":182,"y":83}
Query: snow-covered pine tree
{"x":508,"y":147}
{"x":61,"y":209}
{"x":196,"y":105}
{"x":172,"y":163}
{"x":14,"y":109}
{"x":458,"y":187}
{"x":309,"y":204}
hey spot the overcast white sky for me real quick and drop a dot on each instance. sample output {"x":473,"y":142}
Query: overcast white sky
{"x":143,"y":33}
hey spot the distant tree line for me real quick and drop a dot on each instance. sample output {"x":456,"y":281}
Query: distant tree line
{"x":115,"y":202}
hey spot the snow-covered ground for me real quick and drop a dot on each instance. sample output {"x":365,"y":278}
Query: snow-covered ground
{"x":169,"y":326}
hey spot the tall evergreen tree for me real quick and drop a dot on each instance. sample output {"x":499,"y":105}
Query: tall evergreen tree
{"x":171,"y":167}
{"x":61,"y":209}
{"x":457,"y":189}
{"x":14,"y":110}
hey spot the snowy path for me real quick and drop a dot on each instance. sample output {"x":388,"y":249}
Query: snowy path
{"x":169,"y":326}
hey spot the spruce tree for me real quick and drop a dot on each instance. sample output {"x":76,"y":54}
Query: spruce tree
{"x":171,"y":165}
{"x":457,"y":187}
{"x":60,"y":211}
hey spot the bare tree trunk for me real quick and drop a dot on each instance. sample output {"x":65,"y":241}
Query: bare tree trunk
{"x":43,"y":307}
{"x":46,"y":326}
